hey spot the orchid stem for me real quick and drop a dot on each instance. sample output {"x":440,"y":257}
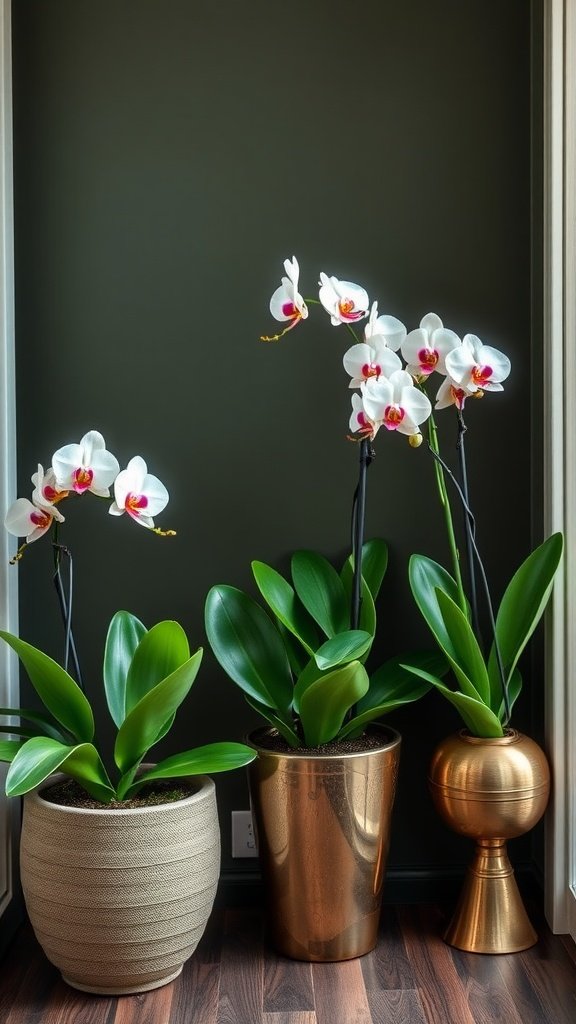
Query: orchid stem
{"x":468,"y":523}
{"x":358,"y":517}
{"x":65,"y":603}
{"x":439,"y":467}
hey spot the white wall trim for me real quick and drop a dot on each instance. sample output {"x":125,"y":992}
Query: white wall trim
{"x":8,"y":575}
{"x":560,"y":448}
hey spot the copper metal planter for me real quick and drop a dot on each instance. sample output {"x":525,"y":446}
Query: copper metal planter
{"x":491,"y":790}
{"x":323,"y":827}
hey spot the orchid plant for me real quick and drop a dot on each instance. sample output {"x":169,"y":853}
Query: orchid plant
{"x":391,"y":370}
{"x":147,"y":674}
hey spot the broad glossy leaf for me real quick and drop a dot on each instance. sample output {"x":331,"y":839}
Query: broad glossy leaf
{"x":124,"y":634}
{"x":205,"y":760}
{"x":41,"y":756}
{"x":339,"y":650}
{"x":326,"y":702}
{"x":468,"y":661}
{"x":374,"y":564}
{"x":161,"y":650}
{"x":321,"y":591}
{"x":426,"y":578}
{"x":309,"y":674}
{"x":367,"y":607}
{"x":356,"y":726}
{"x":9,"y":749}
{"x":249,"y":647}
{"x":145,"y":722}
{"x":514,"y":691}
{"x":285,"y":730}
{"x":46,"y":725}
{"x":392,"y":682}
{"x":286,"y":605}
{"x":523,"y":603}
{"x":478,"y":718}
{"x":59,"y":693}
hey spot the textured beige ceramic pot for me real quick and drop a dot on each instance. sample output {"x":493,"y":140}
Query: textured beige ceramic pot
{"x":323,"y":827}
{"x":119,"y":899}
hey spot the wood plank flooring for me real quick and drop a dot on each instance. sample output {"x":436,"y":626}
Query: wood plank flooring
{"x":234,"y":977}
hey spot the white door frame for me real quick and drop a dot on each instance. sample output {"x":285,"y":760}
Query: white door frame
{"x":560,"y":448}
{"x":9,"y":821}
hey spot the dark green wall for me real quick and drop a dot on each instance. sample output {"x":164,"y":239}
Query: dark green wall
{"x":168,"y":157}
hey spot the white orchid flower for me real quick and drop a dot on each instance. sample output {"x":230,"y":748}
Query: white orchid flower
{"x":24,"y":519}
{"x":360,"y":422}
{"x":474,"y":366}
{"x":138,"y":493}
{"x":395,"y":403}
{"x":345,"y":302}
{"x":286,"y":303}
{"x":384,"y":330}
{"x":46,"y":492}
{"x":364,"y":361}
{"x":426,"y":348}
{"x":86,"y":466}
{"x":449,"y":393}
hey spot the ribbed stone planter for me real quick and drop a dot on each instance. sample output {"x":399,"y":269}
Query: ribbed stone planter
{"x":119,"y":899}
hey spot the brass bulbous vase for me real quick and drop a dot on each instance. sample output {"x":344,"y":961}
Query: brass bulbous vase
{"x":491,"y":790}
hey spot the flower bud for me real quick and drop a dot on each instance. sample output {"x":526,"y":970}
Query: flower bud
{"x":415,"y":440}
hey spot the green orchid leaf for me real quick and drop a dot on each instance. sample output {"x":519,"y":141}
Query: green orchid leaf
{"x":205,"y":760}
{"x":514,"y":690}
{"x":284,"y":728}
{"x":426,"y":579}
{"x":59,"y":693}
{"x":45,"y":724}
{"x":286,"y":605}
{"x":297,"y":656}
{"x":367,"y":607}
{"x":249,"y":647}
{"x":339,"y":650}
{"x":309,"y":674}
{"x":9,"y":749}
{"x":374,"y":565}
{"x":522,"y":607}
{"x":391,"y":682}
{"x":355,"y":727}
{"x":468,"y":662}
{"x":477,"y":717}
{"x":321,"y":591}
{"x":325,"y":703}
{"x":146,"y":721}
{"x":41,"y":756}
{"x":124,"y":634}
{"x":161,"y":650}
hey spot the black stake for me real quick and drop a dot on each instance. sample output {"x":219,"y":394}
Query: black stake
{"x":358,"y":517}
{"x":470,"y":526}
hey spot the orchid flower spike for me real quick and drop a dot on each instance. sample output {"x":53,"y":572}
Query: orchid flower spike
{"x":384,"y":330}
{"x":426,"y":348}
{"x":286,"y":302}
{"x":24,"y":519}
{"x":345,"y":302}
{"x":86,"y":466}
{"x":139,"y":494}
{"x":475,"y":367}
{"x":395,"y":403}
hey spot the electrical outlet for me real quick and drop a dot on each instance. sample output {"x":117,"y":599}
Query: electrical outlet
{"x":243,"y":838}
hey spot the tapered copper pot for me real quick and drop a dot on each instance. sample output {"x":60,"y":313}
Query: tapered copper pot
{"x":323,"y":829}
{"x":491,"y":790}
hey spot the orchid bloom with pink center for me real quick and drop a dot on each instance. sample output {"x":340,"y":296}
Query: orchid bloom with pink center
{"x":138,"y":493}
{"x":474,"y":366}
{"x":426,"y":348}
{"x":345,"y":302}
{"x":384,"y":330}
{"x":86,"y":466}
{"x":360,"y":422}
{"x":24,"y":519}
{"x":450,"y":393}
{"x":395,"y":403}
{"x":46,"y":491}
{"x":364,"y":361}
{"x":286,"y":303}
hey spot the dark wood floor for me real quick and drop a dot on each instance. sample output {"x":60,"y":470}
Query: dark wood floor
{"x":234,"y":978}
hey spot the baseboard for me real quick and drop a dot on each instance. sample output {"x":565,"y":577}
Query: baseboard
{"x":402,"y":885}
